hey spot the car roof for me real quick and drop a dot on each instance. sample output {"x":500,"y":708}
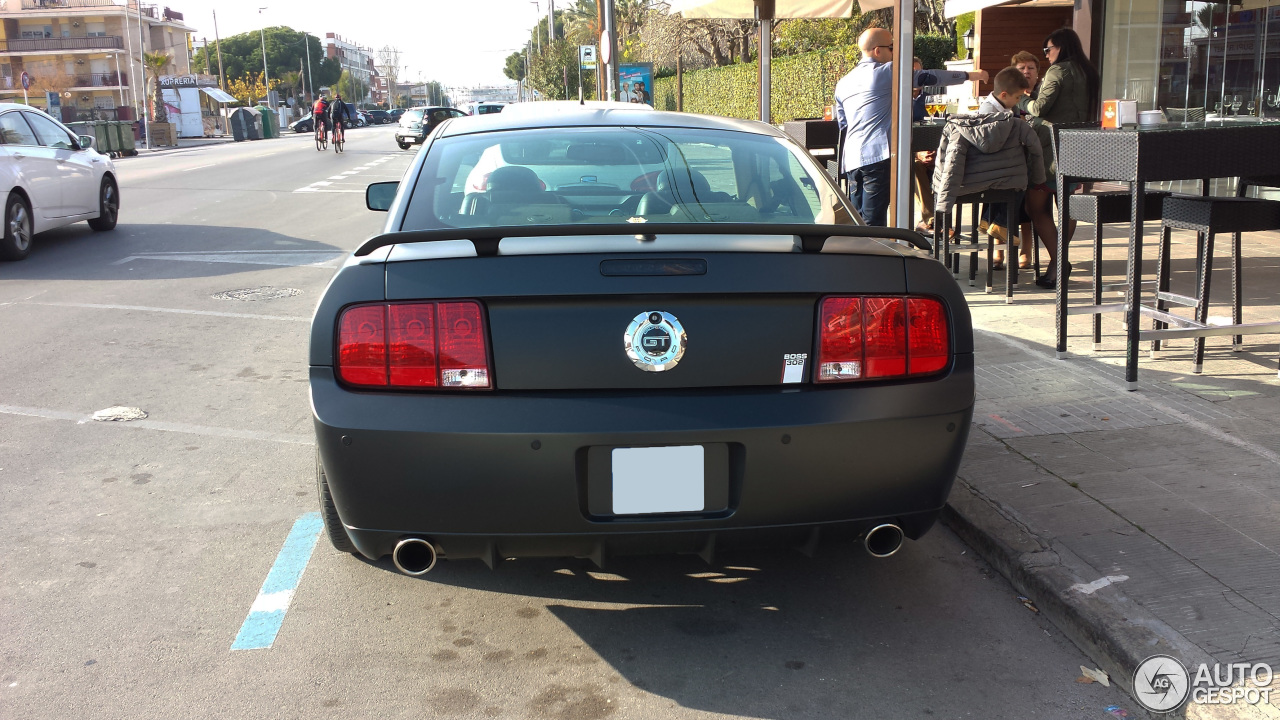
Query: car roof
{"x":19,"y":106}
{"x":521,"y":116}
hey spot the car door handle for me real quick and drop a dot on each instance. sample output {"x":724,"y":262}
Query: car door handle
{"x":19,"y":155}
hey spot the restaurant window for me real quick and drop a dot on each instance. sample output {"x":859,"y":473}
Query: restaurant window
{"x":1194,"y":59}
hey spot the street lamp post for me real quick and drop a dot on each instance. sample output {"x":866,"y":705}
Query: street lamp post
{"x":537,"y":36}
{"x":266,"y":77}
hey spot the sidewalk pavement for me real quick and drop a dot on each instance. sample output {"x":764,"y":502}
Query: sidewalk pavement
{"x":1142,"y":522}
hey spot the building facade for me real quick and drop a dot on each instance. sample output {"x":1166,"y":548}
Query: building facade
{"x":83,"y":57}
{"x":355,"y":59}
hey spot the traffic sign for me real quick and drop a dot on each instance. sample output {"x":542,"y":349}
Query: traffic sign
{"x":587,"y":56}
{"x":26,"y":81}
{"x":604,"y":48}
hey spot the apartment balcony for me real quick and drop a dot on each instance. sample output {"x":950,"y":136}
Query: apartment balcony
{"x":76,"y":82}
{"x":55,"y":45}
{"x":11,"y":5}
{"x":100,"y":80}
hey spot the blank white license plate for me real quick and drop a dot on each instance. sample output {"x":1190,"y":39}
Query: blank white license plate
{"x":658,"y":480}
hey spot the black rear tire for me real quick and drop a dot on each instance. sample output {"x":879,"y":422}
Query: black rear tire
{"x":329,"y":513}
{"x":403,"y":145}
{"x":18,"y":226}
{"x":108,"y":206}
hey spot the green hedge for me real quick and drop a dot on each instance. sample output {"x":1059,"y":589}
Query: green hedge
{"x":803,"y":85}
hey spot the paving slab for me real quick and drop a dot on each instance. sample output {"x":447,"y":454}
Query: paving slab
{"x":1168,"y":497}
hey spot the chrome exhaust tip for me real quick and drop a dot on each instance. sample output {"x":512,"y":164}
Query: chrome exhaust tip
{"x":883,"y":540}
{"x":414,"y":556}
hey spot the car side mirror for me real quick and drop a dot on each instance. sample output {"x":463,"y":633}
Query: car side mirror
{"x":86,"y":142}
{"x":379,"y":196}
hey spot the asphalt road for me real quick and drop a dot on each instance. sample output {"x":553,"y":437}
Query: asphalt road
{"x":133,"y":552}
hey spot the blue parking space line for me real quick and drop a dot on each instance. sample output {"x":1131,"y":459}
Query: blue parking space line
{"x":267,"y":613}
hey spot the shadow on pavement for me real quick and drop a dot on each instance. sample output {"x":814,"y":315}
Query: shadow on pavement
{"x":780,"y":635}
{"x":164,"y":251}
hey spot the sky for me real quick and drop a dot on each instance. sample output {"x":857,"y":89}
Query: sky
{"x":460,"y":43}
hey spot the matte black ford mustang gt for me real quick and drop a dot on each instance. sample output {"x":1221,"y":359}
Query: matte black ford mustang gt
{"x":590,"y":330}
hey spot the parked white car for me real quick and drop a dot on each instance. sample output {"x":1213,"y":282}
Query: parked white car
{"x":50,"y":178}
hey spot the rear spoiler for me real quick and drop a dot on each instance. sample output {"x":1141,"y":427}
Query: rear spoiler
{"x":486,"y":239}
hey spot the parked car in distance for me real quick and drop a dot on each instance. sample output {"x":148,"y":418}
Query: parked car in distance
{"x":395,"y":113}
{"x":380,"y":117}
{"x":487,"y":108}
{"x":50,"y":177}
{"x":417,"y":123}
{"x":303,"y":124}
{"x":633,"y":332}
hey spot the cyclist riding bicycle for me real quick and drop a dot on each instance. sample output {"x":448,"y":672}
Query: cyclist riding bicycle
{"x":320,"y":116}
{"x":339,"y":112}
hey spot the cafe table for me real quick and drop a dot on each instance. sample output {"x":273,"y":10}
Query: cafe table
{"x":1140,"y":155}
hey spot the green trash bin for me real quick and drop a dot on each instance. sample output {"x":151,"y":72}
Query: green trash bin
{"x":270,"y":125}
{"x":124,"y":137}
{"x":105,"y":141}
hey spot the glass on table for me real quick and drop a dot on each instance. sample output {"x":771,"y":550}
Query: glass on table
{"x":1236,"y":102}
{"x":1249,"y":108}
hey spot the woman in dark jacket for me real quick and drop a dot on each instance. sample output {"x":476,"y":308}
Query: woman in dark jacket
{"x":1069,"y":93}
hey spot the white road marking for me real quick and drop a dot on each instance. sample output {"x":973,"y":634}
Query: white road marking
{"x":321,"y":183}
{"x":180,"y":311}
{"x":271,"y":602}
{"x":336,"y":177}
{"x":201,"y":167}
{"x":184,"y":428}
{"x":279,"y":258}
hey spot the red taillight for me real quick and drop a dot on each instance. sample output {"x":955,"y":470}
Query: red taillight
{"x":886,"y":324}
{"x":864,"y":338}
{"x":929,"y":346}
{"x":414,"y":345}
{"x":464,"y":360}
{"x":840,"y":340}
{"x":362,"y":345}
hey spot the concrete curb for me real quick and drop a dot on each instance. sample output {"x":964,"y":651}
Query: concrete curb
{"x":1113,"y":630}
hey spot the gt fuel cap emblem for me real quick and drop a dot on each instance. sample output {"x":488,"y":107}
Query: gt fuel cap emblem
{"x":654,"y":341}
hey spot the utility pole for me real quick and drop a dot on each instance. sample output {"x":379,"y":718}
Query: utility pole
{"x":609,"y":51}
{"x":266,"y":77}
{"x":537,"y":36}
{"x":311,"y":85}
{"x":142,"y":48}
{"x":221,"y":83}
{"x":205,"y":41}
{"x":133,"y":86}
{"x":551,"y":23}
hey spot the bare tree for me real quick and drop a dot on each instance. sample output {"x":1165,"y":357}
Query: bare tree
{"x":389,"y":66}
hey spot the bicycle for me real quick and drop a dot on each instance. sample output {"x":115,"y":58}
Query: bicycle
{"x":322,"y":138}
{"x":339,"y":136}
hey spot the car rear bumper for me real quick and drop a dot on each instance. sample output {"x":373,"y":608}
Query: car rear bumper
{"x":410,"y":136}
{"x":494,"y":475}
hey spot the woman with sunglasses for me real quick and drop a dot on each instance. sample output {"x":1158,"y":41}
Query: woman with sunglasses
{"x":1068,"y":94}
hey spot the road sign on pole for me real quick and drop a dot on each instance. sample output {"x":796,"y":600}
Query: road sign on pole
{"x":587,"y":57}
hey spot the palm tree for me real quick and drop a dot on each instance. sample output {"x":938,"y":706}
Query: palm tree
{"x":156,"y":62}
{"x":581,"y":23}
{"x":292,"y":80}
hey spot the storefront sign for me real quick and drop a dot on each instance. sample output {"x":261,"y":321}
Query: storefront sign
{"x":175,"y":81}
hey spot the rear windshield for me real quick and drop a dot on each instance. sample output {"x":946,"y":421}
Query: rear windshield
{"x":414,"y":115}
{"x":611,"y":175}
{"x":486,"y":109}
